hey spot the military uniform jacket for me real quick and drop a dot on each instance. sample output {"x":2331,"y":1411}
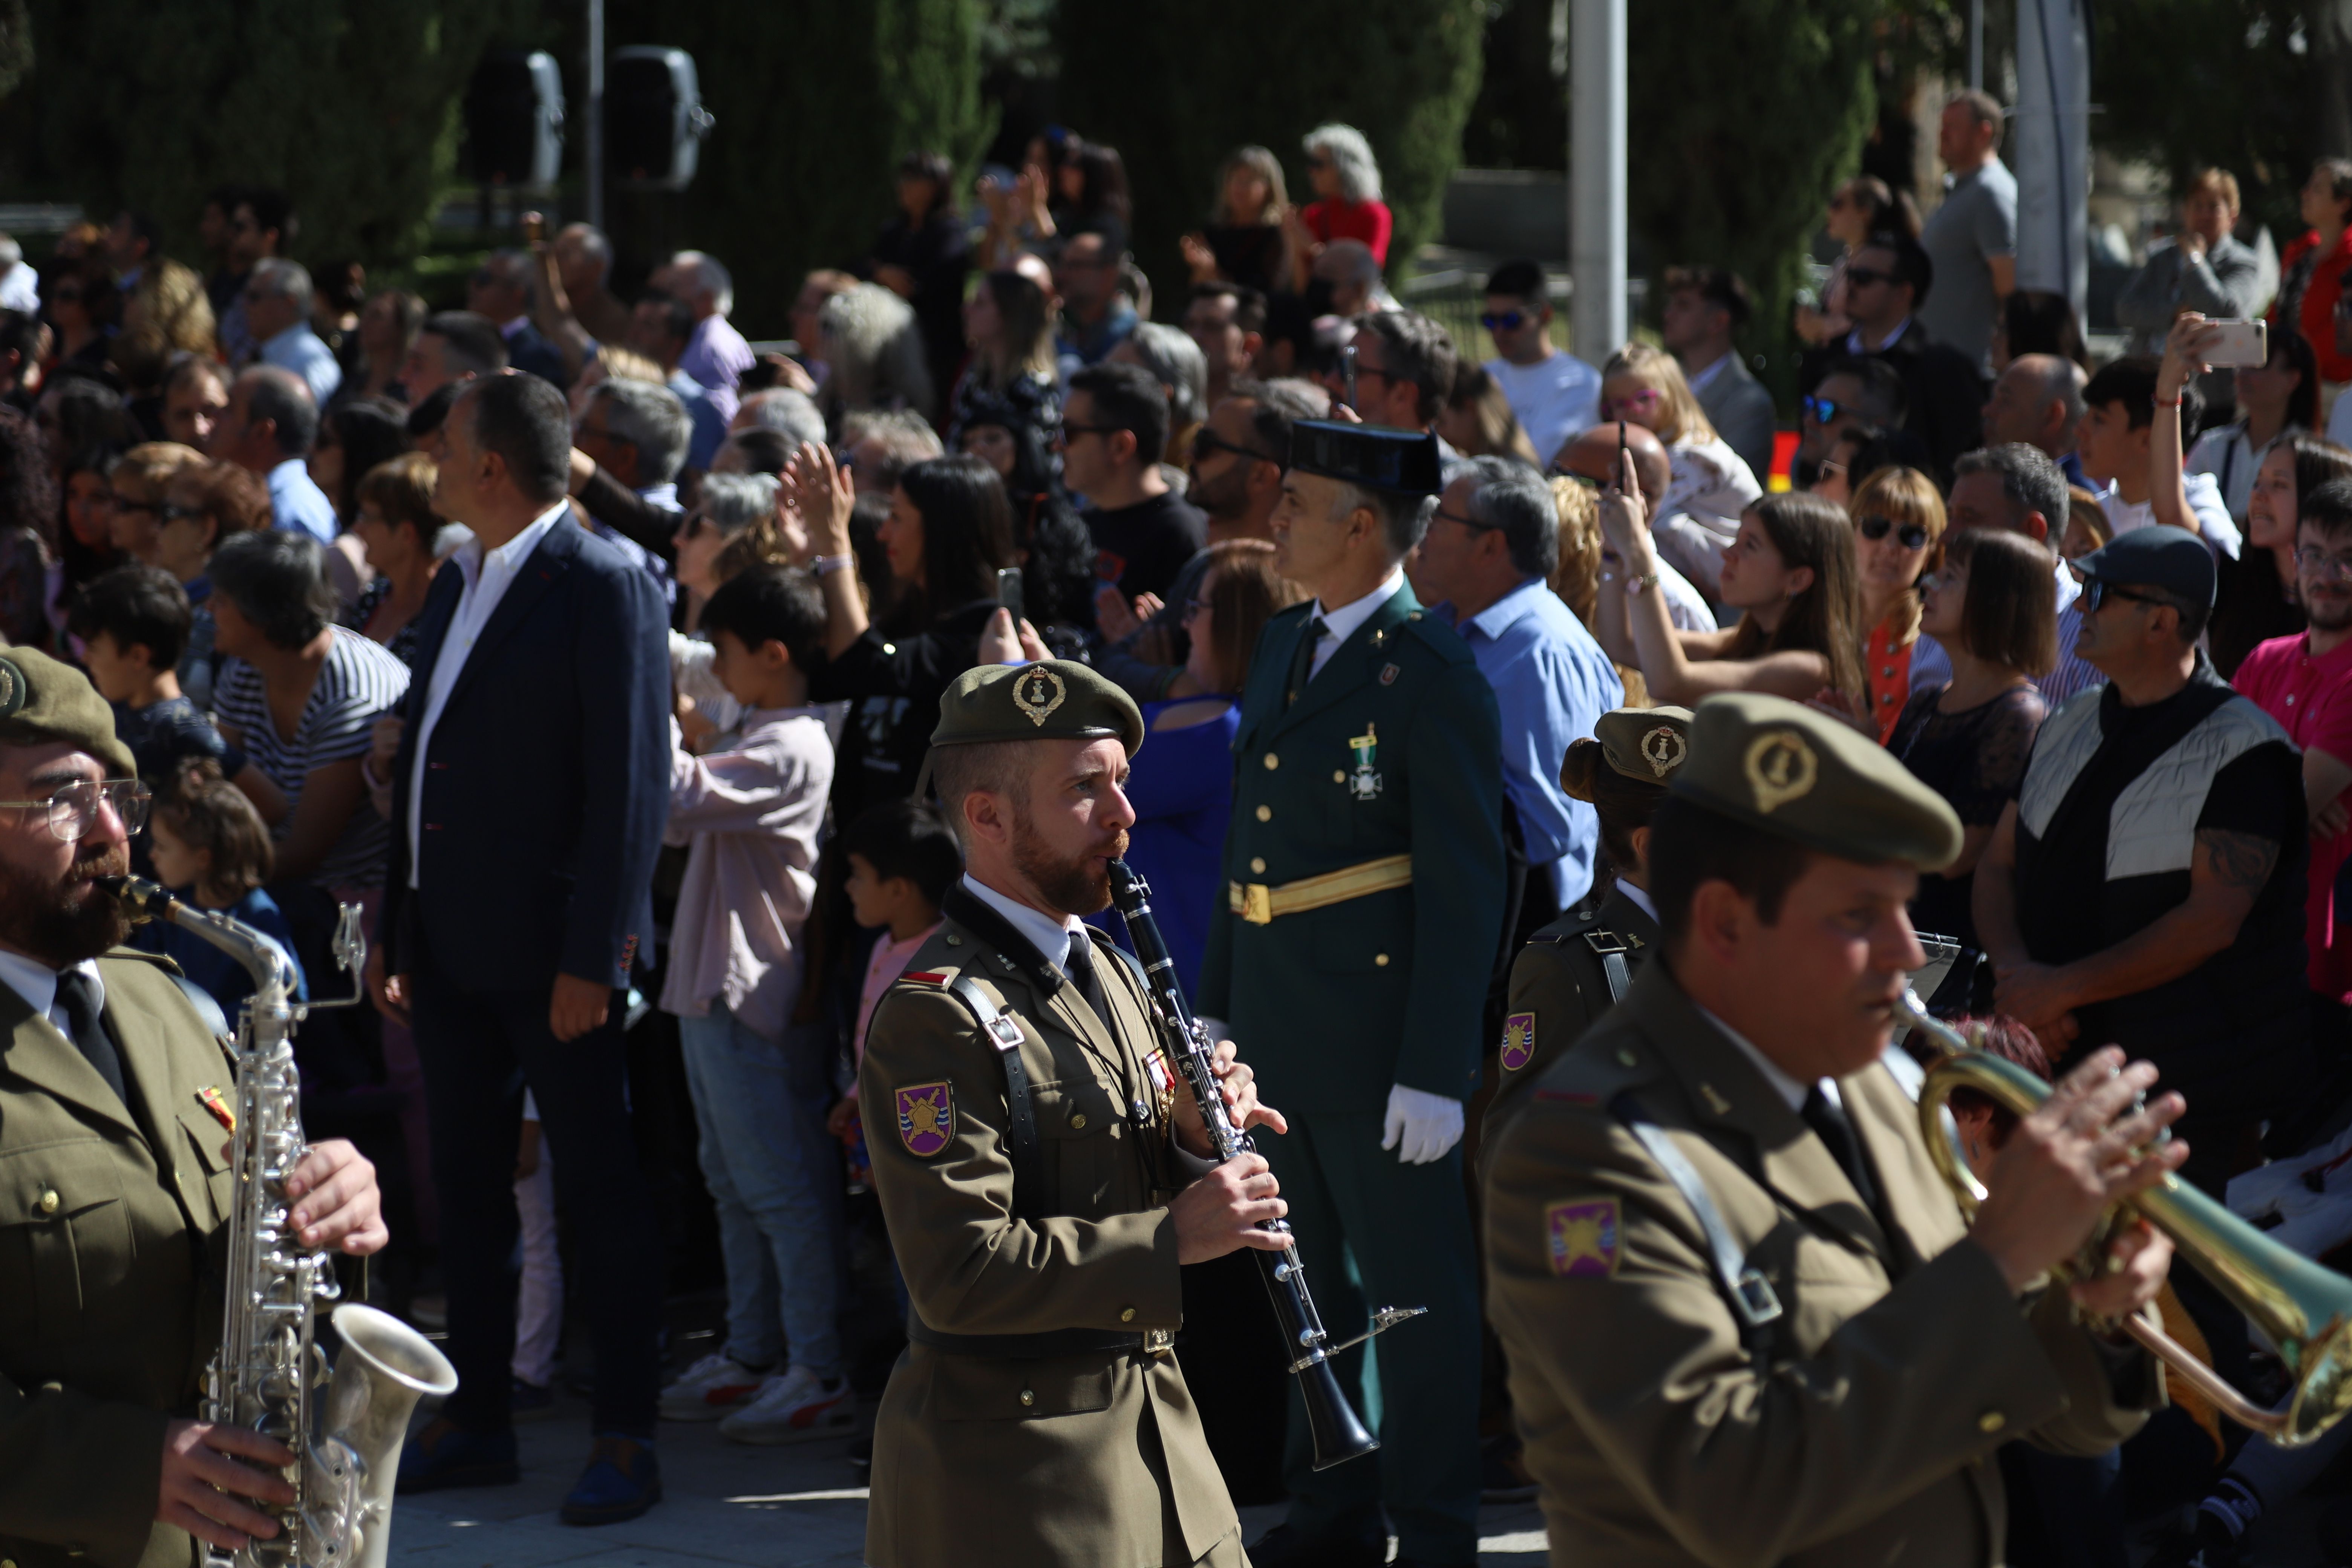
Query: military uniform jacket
{"x":1394,"y":749}
{"x":1865,"y":1433}
{"x":110,"y":1293}
{"x":1096,"y":1459}
{"x":1560,"y":987}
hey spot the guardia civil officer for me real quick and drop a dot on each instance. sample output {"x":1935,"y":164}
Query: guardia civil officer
{"x":1365,"y":870}
{"x":1745,"y":1322}
{"x":1580,"y":965}
{"x":115,"y":1100}
{"x":1043,"y":1172}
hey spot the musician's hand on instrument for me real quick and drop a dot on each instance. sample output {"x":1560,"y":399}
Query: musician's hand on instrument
{"x":2139,"y":1256}
{"x":1240,"y":1084}
{"x":2081,"y":1152}
{"x":336,"y":1202}
{"x":1228,"y":1208}
{"x":577,"y":1007}
{"x":1426,"y":1124}
{"x":202,"y":1483}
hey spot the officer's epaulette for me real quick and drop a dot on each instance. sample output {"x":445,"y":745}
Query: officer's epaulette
{"x":1420,"y":625}
{"x":168,"y":965}
{"x":1585,"y":917}
{"x":931,"y":977}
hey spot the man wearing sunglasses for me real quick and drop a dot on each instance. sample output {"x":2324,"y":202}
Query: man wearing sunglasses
{"x":1555,"y":394}
{"x":1888,"y":280}
{"x":2145,"y":887}
{"x":115,"y":1112}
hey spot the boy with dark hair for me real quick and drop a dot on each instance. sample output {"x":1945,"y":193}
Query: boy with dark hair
{"x":133,"y":622}
{"x":751,"y":815}
{"x":2112,"y":443}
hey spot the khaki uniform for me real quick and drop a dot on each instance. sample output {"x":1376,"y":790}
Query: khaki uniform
{"x":110,"y":1292}
{"x":1864,"y":1431}
{"x":1559,"y":989}
{"x":995,"y":1453}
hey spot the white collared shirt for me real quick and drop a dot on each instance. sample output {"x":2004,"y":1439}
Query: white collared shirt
{"x":36,"y":982}
{"x":488,"y":576}
{"x":1789,"y":1089}
{"x":1339,"y":625}
{"x":1854,"y":344}
{"x":1700,"y":380}
{"x":1052,"y":942}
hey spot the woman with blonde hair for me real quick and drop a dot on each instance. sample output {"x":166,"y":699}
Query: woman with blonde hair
{"x":1477,"y":421}
{"x":1246,"y":240}
{"x":1898,"y":525}
{"x":1711,"y":485}
{"x":1576,"y":574}
{"x":1009,"y":322}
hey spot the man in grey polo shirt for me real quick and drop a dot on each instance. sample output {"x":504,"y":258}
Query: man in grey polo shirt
{"x":1972,"y":237}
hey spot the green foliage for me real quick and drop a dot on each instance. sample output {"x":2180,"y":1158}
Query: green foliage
{"x":814,"y":103}
{"x":1175,"y":85}
{"x":16,"y":44}
{"x":2191,"y":83}
{"x":1763,"y":105}
{"x":351,"y":105}
{"x":1520,"y":118}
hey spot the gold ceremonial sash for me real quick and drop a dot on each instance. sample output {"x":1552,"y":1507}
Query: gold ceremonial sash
{"x":1259,"y":904}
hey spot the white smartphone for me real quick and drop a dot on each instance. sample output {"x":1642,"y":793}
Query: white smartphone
{"x":2241,"y":344}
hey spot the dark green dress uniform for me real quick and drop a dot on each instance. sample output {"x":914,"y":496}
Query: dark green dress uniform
{"x":1038,"y":1416}
{"x":1856,"y":1423}
{"x":113,"y":1217}
{"x":1339,"y":979}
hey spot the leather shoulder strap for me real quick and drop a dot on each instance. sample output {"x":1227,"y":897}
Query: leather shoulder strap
{"x":1020,"y":1121}
{"x":1754,"y":1305}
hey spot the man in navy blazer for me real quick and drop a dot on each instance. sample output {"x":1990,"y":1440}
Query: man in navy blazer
{"x":529,"y":796}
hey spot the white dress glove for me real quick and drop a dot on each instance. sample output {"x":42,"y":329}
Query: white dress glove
{"x":1428,"y":1124}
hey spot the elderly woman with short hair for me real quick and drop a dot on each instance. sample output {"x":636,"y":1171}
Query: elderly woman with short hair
{"x":1348,"y":204}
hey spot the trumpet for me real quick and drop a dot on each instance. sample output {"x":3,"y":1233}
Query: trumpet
{"x":2305,"y":1311}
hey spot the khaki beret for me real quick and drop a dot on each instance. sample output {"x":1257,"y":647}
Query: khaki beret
{"x":48,"y":698}
{"x":1054,"y":699}
{"x":1796,"y":772}
{"x":1644,"y":743}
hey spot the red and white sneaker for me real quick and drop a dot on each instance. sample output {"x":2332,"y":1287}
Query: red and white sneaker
{"x":794,"y":1408}
{"x":711,"y":1388}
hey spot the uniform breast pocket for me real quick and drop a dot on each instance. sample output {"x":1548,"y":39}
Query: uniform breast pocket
{"x":1085,"y":1139}
{"x":210,"y":1141}
{"x":983,"y":1388}
{"x":65,"y":1237}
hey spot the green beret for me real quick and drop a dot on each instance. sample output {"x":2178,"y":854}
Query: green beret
{"x":46,"y":699}
{"x":1644,"y":743}
{"x":1054,"y":699}
{"x":1797,"y":772}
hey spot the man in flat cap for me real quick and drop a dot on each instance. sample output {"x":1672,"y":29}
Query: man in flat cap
{"x":1364,"y":865}
{"x":1043,"y":1173}
{"x":115,"y":1191}
{"x":1745,"y":1320}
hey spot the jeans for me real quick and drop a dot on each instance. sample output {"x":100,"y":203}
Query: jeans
{"x":774,"y":1173}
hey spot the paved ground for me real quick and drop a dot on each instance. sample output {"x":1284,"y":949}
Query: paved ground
{"x":776,"y":1508}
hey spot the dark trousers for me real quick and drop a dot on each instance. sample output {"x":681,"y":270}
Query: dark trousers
{"x":480,"y":1050}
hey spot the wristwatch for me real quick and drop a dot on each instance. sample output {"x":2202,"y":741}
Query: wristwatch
{"x":1633,"y":585}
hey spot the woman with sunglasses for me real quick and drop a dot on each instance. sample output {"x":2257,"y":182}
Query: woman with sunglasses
{"x":1711,"y":486}
{"x":1791,"y":572}
{"x":1898,"y":524}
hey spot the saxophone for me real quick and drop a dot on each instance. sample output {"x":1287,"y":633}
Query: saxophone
{"x":270,"y":1370}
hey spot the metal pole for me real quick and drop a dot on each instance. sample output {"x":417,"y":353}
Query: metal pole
{"x":1976,"y":46}
{"x":1597,"y":176}
{"x":595,"y":171}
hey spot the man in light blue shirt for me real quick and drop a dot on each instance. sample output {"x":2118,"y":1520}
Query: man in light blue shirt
{"x":278,"y":311}
{"x":1485,"y":564}
{"x":268,"y":427}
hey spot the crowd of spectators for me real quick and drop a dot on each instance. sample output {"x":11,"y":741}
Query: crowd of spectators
{"x":288,"y":525}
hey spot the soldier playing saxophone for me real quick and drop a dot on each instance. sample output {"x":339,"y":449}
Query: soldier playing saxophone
{"x":115,"y":1189}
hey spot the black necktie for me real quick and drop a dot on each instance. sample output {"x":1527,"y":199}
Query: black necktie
{"x":1829,"y":1122}
{"x":77,"y":994}
{"x":1080,"y":966}
{"x":1302,"y":665}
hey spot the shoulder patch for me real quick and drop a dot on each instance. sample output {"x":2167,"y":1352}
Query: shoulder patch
{"x":926,"y":1118}
{"x":1518,"y":1041}
{"x":1581,"y":1238}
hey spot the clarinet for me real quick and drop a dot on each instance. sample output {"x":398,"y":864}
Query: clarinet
{"x":1338,"y":1433}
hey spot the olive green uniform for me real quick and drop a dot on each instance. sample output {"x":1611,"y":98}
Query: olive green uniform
{"x":110,"y":1293}
{"x":1561,"y":986}
{"x":996,"y":1443}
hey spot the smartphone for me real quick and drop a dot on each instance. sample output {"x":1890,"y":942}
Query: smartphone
{"x":534,"y":227}
{"x":1008,"y":591}
{"x":1624,"y":457}
{"x":2239,"y":345}
{"x":1347,"y":375}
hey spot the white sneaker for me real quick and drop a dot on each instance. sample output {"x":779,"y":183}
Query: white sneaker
{"x":794,"y":1408}
{"x":711,"y":1388}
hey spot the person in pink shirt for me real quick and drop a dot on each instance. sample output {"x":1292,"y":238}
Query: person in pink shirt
{"x":2304,"y":681}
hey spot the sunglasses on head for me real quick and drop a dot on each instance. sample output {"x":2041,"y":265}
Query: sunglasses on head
{"x":1914,"y":535}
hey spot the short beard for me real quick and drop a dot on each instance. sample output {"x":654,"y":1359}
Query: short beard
{"x":67,"y":920}
{"x":1078,"y":886}
{"x":1226,"y":496}
{"x":2330,"y":615}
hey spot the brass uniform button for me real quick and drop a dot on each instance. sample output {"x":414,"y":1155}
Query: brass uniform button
{"x":1272,"y":762}
{"x":1079,"y":1122}
{"x":1028,"y":1397}
{"x":1257,"y":863}
{"x":1265,"y":814}
{"x":1338,"y":775}
{"x":1380,"y":960}
{"x":1991,"y":1421}
{"x":49,"y":1202}
{"x":1127,"y":1314}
